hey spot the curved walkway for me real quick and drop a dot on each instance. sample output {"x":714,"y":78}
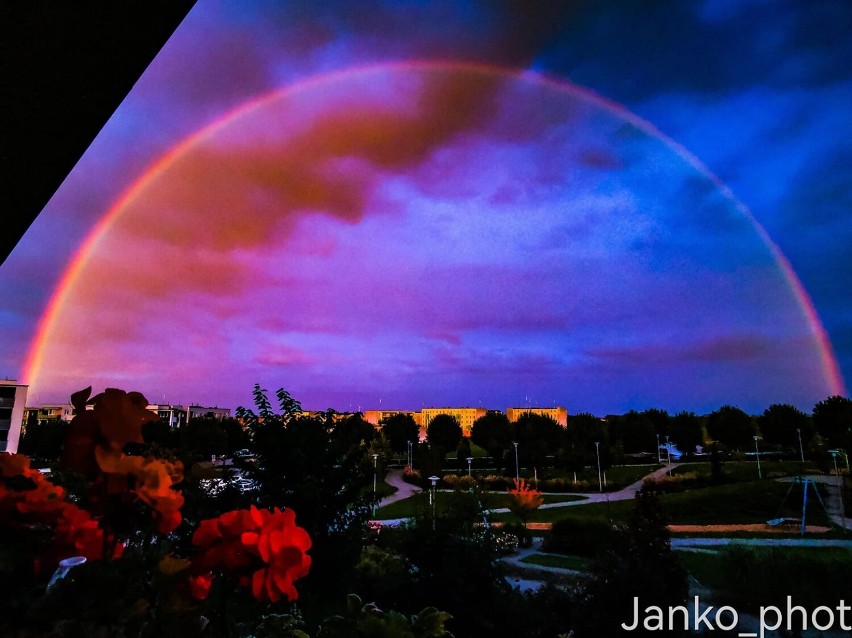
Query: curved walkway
{"x":624,"y":494}
{"x":403,"y":489}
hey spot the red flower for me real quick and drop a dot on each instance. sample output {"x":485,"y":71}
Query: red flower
{"x":199,"y":586}
{"x":264,"y":549}
{"x":41,"y":503}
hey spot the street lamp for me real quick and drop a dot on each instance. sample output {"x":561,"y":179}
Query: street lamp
{"x":433,"y":498}
{"x":757,"y":451}
{"x":469,"y":461}
{"x":839,"y":486}
{"x":410,"y":455}
{"x":517,"y":467}
{"x":801,"y":449}
{"x":375,"y":464}
{"x":598,"y":454}
{"x":658,"y":449}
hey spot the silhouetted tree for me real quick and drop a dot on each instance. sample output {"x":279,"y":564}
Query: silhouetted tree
{"x":444,"y":432}
{"x":638,"y":433}
{"x":685,"y":431}
{"x":399,"y":430}
{"x":492,"y":432}
{"x":640,"y":563}
{"x":537,"y":437}
{"x":581,"y":435}
{"x":731,"y":427}
{"x":779,"y":422}
{"x":351,"y":433}
{"x":833,"y":418}
{"x":43,"y":441}
{"x":463,"y":450}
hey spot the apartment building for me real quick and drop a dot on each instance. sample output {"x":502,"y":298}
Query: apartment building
{"x":13,"y":399}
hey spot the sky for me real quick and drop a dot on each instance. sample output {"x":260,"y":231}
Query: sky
{"x":395,"y":205}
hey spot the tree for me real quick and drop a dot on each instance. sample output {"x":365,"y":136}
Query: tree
{"x":302,"y":464}
{"x":43,"y":440}
{"x":537,"y":437}
{"x":492,"y":432}
{"x":640,"y":561}
{"x":200,"y":439}
{"x":399,"y":430}
{"x":444,"y":431}
{"x":833,"y":418}
{"x":685,"y":431}
{"x":524,"y":500}
{"x":660,"y":419}
{"x":463,"y":450}
{"x":579,"y":440}
{"x":731,"y":427}
{"x":352,"y":432}
{"x":638,"y":433}
{"x":781,"y":424}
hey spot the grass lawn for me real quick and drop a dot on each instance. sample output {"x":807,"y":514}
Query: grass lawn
{"x":384,"y":489}
{"x":747,"y":470}
{"x":757,"y":576}
{"x":577,"y":563}
{"x":408,"y":507}
{"x":746,"y":502}
{"x":617,"y":477}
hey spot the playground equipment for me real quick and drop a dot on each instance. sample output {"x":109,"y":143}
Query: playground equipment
{"x":800,"y":480}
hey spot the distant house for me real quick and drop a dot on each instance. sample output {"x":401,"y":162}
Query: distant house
{"x":48,"y":413}
{"x":201,"y":412}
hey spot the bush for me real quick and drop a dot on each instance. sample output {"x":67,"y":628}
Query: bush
{"x":466,"y":483}
{"x":672,"y":483}
{"x":521,"y":532}
{"x":410,"y":475}
{"x":450,"y":480}
{"x":578,"y":538}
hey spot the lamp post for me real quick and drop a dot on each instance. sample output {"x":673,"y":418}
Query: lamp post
{"x":658,"y":449}
{"x":375,"y":465}
{"x":757,"y":451}
{"x":410,"y":455}
{"x":839,"y":486}
{"x":517,"y":467}
{"x":469,"y":461}
{"x":598,"y":454}
{"x":433,"y":497}
{"x":668,"y":454}
{"x":801,"y":449}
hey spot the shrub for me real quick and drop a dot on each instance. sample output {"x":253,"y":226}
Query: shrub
{"x":465,"y":483}
{"x":410,"y":475}
{"x":674,"y":482}
{"x":520,"y":532}
{"x":450,"y":479}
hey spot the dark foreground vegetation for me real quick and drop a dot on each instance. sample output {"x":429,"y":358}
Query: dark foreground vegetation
{"x":259,"y":525}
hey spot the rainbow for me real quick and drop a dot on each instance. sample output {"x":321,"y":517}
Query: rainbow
{"x":35,"y":357}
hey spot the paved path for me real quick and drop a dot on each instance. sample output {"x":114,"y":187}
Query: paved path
{"x":832,"y":500}
{"x":624,"y":494}
{"x":403,"y":489}
{"x":516,"y":560}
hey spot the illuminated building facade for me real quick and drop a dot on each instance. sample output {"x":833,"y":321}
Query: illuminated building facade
{"x":560,"y":415}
